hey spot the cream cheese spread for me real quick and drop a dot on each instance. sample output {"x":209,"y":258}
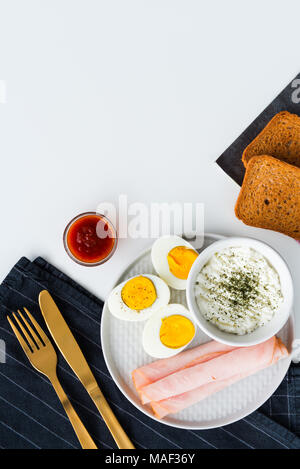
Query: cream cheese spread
{"x":238,"y":290}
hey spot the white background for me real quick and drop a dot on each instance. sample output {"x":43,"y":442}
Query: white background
{"x":134,"y":97}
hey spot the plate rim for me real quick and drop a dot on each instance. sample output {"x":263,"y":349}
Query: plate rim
{"x":144,"y":409}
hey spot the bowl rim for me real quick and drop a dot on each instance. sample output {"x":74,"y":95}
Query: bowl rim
{"x":226,"y":337}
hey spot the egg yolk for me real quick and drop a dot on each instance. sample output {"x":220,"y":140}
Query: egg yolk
{"x":176,"y":331}
{"x":139,"y":293}
{"x":180,"y":260}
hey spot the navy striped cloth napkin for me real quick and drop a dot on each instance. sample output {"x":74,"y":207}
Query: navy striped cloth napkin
{"x":31,"y":417}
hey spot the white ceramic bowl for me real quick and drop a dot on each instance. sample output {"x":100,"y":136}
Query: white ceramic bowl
{"x":281,"y":315}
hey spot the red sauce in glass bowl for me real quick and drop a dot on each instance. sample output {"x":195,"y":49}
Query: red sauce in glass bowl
{"x":90,"y":239}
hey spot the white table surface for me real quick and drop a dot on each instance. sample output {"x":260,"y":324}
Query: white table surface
{"x":132,"y":97}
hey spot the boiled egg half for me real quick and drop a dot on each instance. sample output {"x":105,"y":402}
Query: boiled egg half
{"x":168,"y":331}
{"x":172,"y":258}
{"x":138,"y":298}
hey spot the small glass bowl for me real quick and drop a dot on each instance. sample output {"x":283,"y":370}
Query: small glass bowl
{"x":112,"y":230}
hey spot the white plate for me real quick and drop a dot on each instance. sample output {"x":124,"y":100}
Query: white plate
{"x":123,"y":352}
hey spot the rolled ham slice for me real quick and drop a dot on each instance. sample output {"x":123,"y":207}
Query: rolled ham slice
{"x":238,"y":362}
{"x":159,"y":369}
{"x":182,"y":401}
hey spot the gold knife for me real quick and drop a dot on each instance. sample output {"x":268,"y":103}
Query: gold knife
{"x":69,"y":348}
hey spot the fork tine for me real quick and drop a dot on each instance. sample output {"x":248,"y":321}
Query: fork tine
{"x":31,"y":342}
{"x":33,"y":333}
{"x":42,"y":334}
{"x":34,"y":336}
{"x":22,"y":342}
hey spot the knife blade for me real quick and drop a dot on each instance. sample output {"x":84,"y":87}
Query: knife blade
{"x":72,"y":353}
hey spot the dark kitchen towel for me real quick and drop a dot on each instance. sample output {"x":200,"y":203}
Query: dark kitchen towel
{"x":288,"y":100}
{"x":31,"y":416}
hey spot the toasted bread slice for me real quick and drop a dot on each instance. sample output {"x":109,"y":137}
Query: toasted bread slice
{"x":270,"y":196}
{"x":280,"y":138}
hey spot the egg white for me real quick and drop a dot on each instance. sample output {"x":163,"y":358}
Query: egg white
{"x":120,"y":310}
{"x":159,"y":256}
{"x":151,"y":340}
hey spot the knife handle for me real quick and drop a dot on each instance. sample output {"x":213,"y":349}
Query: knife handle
{"x":110,"y":419}
{"x":81,"y":432}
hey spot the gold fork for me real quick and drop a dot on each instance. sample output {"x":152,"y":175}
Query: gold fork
{"x":41,"y":354}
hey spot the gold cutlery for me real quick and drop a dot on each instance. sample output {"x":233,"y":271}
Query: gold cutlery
{"x":69,"y":348}
{"x":42,"y":356}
